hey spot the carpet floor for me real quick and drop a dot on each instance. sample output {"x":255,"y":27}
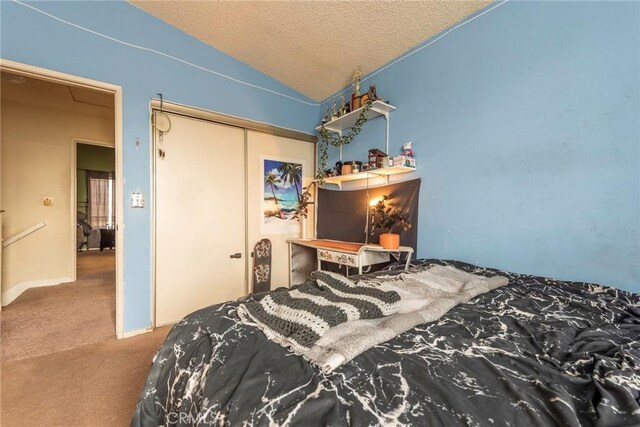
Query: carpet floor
{"x":61,"y":363}
{"x":93,"y":385}
{"x":55,"y":318}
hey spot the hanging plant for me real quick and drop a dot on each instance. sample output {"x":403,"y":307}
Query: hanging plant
{"x":330,"y":138}
{"x":323,"y":156}
{"x":304,"y":201}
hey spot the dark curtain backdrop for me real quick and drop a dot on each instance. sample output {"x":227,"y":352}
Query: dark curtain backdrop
{"x":342,"y":214}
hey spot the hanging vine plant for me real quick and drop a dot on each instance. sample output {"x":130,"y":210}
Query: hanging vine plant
{"x":328,"y":138}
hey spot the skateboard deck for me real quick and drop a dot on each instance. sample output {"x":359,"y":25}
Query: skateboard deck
{"x":262,"y":266}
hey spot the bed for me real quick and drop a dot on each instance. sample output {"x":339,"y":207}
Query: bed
{"x":535,"y":352}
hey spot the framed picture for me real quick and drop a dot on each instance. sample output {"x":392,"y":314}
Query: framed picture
{"x":281,"y":189}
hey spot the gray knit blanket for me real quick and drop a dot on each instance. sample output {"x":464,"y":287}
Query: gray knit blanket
{"x":342,"y":332}
{"x":298,"y":318}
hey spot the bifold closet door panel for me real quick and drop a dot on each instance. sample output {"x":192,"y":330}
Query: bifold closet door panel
{"x":200,"y":217}
{"x":273,"y":192}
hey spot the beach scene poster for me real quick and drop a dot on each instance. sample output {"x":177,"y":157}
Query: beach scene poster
{"x":281,"y":189}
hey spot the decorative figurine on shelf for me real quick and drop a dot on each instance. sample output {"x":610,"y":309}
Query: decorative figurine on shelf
{"x":407,"y":158}
{"x":407,"y":150}
{"x":338,"y":167}
{"x":373,"y":93}
{"x":344,"y":108}
{"x":370,"y":96}
{"x":334,"y":110}
{"x":357,"y":77}
{"x":355,"y":96}
{"x":327,"y":116}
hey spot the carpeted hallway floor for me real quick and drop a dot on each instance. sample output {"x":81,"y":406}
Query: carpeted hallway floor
{"x":92,"y":385}
{"x":61,"y":363}
{"x":55,"y":318}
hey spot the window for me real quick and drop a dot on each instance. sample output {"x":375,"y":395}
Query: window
{"x":101,"y":195}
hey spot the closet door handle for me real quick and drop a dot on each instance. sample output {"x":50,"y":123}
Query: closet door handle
{"x":236,"y":255}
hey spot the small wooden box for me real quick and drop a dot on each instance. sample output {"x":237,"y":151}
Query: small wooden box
{"x":377,"y":158}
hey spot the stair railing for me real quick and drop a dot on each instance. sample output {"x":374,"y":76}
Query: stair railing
{"x":23,"y":234}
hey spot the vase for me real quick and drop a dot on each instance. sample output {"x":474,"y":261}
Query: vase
{"x":390,"y":240}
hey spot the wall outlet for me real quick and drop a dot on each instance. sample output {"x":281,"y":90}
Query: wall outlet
{"x":47,"y":201}
{"x":137,"y":200}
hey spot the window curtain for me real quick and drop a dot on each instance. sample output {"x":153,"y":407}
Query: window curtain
{"x":101,"y":197}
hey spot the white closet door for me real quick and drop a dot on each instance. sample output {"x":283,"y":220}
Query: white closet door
{"x":260,"y":147}
{"x":200,"y":218}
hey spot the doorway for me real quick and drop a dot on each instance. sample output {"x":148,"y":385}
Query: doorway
{"x":95,"y":186}
{"x":47,"y":113}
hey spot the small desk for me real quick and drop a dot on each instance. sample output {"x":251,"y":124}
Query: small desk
{"x":306,"y":255}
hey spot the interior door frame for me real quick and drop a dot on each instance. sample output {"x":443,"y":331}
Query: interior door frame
{"x":72,"y":80}
{"x":221,"y":119}
{"x":74,"y":195}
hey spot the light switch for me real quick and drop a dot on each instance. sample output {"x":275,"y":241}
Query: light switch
{"x":137,"y":200}
{"x":47,"y":201}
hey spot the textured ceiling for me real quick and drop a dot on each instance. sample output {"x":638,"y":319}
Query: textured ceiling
{"x":42,"y":93}
{"x":312,"y":46}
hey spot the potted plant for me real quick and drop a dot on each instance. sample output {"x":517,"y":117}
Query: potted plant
{"x":387,"y":219}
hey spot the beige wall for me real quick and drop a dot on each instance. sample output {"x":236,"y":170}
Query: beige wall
{"x":37,"y":150}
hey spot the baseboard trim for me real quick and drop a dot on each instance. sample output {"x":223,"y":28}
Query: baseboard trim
{"x":160,"y":325}
{"x":15,"y":291}
{"x":136,"y":332}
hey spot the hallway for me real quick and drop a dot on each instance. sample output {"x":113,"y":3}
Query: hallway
{"x":55,"y":318}
{"x":61,"y":361}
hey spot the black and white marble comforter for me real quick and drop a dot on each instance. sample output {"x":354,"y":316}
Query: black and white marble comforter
{"x":535,"y":352}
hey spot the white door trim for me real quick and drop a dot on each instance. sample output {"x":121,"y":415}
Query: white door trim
{"x":69,"y":79}
{"x":229,"y":120}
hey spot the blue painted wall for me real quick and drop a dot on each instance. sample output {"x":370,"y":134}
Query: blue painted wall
{"x":525,"y":123}
{"x":30,"y":37}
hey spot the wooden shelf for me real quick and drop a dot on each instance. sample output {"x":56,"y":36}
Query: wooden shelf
{"x":392,"y":170}
{"x":378,"y":108}
{"x":373,"y":173}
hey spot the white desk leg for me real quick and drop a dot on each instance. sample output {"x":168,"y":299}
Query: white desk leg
{"x":319,"y":264}
{"x":406,"y":265}
{"x":290,"y":267}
